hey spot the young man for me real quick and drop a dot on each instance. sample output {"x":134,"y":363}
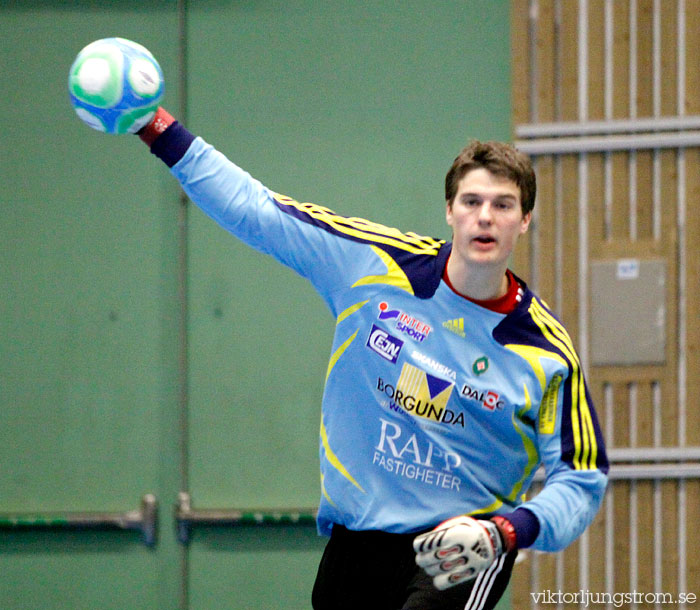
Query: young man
{"x":449,"y":383}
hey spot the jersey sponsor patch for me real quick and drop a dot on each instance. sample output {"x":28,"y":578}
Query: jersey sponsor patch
{"x":481,"y":365}
{"x":420,"y":394}
{"x":404,"y":322}
{"x":455,"y":326}
{"x":384,"y":344}
{"x":434,"y":365}
{"x":548,"y":407}
{"x":488,"y":399}
{"x":408,"y":455}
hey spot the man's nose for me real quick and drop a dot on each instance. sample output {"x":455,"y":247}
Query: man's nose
{"x":486,"y":213}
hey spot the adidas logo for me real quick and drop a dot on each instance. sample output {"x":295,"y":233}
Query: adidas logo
{"x":455,"y":326}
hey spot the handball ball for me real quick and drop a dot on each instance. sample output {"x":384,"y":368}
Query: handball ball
{"x":115,"y":85}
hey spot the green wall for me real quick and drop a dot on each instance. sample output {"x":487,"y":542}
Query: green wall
{"x":357,"y":106}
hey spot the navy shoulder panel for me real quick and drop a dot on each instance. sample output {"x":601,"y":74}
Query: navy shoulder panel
{"x":421,"y":258}
{"x":521,"y":327}
{"x":533,"y":324}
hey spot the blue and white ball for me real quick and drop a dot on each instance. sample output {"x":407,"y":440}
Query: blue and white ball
{"x":115,"y":85}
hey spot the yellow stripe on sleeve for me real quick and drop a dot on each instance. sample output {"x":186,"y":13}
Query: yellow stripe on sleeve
{"x":350,"y":310}
{"x":494,"y":506}
{"x":585,"y":444}
{"x":589,"y":453}
{"x":394,"y":275}
{"x":590,"y":447}
{"x":325,"y":493}
{"x":533,"y":458}
{"x":339,"y":352}
{"x":544,"y":322}
{"x":534,"y":356}
{"x":365,"y":229}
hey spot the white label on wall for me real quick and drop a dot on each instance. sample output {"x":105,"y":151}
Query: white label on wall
{"x":628,"y":269}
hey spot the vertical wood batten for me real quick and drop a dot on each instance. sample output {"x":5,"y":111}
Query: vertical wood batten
{"x":525,"y":578}
{"x":521,"y":96}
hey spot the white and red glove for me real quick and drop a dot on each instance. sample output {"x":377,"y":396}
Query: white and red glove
{"x":461,"y":547}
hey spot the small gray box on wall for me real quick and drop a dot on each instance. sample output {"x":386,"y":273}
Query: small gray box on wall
{"x":628,"y":312}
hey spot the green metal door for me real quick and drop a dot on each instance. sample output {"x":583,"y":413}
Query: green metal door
{"x":88,"y":321}
{"x":356,"y":107}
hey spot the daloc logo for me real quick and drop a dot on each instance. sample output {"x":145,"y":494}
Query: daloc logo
{"x":489,"y":400}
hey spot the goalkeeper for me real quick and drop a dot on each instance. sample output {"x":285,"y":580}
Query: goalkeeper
{"x":449,"y":383}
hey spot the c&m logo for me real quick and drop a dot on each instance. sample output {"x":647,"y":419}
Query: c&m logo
{"x":405,"y":323}
{"x":421,"y":394}
{"x":384,"y":344}
{"x":489,"y":400}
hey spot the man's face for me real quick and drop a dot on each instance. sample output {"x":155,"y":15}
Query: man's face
{"x":486,"y":218}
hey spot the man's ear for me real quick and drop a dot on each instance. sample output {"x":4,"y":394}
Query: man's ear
{"x":448,"y":213}
{"x":525,"y":222}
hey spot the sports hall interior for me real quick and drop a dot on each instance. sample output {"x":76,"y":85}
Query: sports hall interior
{"x":160,"y":383}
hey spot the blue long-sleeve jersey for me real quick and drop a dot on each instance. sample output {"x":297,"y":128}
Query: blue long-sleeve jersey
{"x":433,"y":406}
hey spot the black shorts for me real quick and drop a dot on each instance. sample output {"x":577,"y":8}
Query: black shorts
{"x":375,"y":570}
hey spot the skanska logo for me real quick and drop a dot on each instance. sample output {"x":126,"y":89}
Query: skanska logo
{"x":384,"y":344}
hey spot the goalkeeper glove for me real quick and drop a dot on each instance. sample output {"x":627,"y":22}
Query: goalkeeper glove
{"x":461,"y":547}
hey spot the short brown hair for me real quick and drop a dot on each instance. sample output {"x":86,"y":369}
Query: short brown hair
{"x":500,"y":159}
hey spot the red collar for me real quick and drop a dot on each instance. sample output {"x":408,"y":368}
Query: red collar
{"x":505,"y":304}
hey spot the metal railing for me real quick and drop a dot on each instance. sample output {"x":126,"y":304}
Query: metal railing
{"x":143,"y":519}
{"x":187,"y":517}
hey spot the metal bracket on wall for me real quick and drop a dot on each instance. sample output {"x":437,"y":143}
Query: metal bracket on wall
{"x":614,"y":135}
{"x":648,"y":463}
{"x":186,"y":517}
{"x":143,"y":519}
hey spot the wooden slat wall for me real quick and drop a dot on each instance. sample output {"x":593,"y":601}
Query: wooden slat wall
{"x":642,"y":219}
